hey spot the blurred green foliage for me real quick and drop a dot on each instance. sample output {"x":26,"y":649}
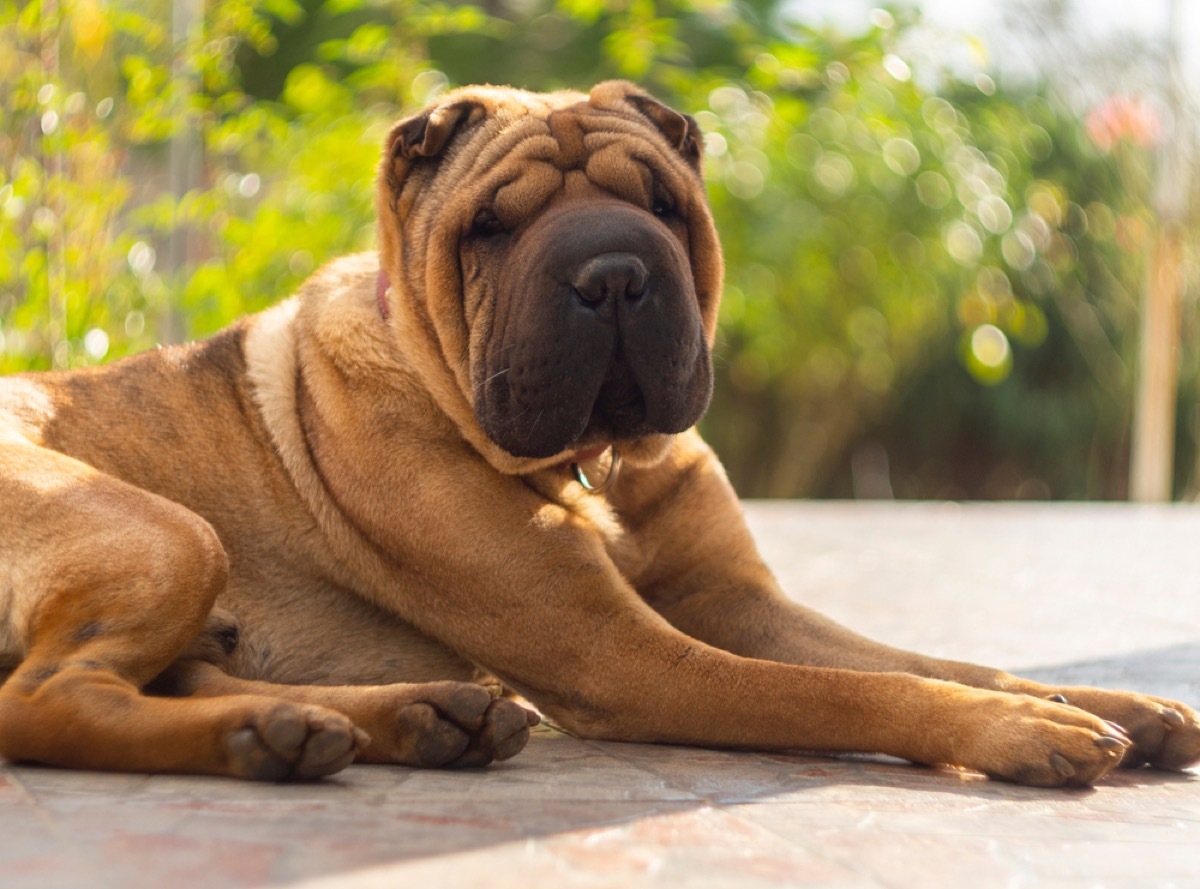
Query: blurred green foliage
{"x":931,"y":282}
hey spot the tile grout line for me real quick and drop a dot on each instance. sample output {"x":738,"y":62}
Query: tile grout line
{"x":26,"y":794}
{"x":717,"y":806}
{"x":51,"y":823}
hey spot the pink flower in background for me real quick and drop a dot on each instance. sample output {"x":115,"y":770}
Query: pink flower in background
{"x":1124,"y":117}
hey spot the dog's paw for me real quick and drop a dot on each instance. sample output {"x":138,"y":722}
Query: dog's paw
{"x":456,"y":724}
{"x":1042,"y":743}
{"x":293,"y":741}
{"x":1165,"y":734}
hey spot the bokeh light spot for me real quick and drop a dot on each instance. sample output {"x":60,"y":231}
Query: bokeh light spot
{"x":963,"y":243}
{"x":95,"y":343}
{"x":933,"y":189}
{"x":141,"y":258}
{"x":897,"y":68}
{"x":989,"y":356}
{"x":901,"y":156}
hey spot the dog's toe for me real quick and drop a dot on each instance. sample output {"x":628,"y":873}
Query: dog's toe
{"x":293,"y":741}
{"x":457,"y":725}
{"x":427,"y":739}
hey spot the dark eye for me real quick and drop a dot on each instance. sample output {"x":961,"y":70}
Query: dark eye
{"x":487,"y":225}
{"x":663,"y":205}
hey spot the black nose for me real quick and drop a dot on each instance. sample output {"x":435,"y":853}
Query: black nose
{"x":610,"y":277}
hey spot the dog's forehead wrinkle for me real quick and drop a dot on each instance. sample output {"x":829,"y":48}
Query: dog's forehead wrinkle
{"x":621,"y":160}
{"x":525,"y":191}
{"x":494,"y":143}
{"x":567,"y":130}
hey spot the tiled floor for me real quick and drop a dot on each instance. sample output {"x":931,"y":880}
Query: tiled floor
{"x":1101,"y":594}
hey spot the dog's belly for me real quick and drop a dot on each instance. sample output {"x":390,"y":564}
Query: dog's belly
{"x":297,"y":630}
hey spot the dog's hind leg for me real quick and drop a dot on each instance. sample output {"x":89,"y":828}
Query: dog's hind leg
{"x":102,"y":585}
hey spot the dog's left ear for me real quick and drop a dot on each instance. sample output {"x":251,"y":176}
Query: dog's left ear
{"x":680,"y":130}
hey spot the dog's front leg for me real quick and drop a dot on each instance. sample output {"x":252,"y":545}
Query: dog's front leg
{"x":708,"y":580}
{"x":524,"y":586}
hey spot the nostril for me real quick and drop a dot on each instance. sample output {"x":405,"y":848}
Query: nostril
{"x":636,"y":286}
{"x":591,"y":291}
{"x":611,"y":276}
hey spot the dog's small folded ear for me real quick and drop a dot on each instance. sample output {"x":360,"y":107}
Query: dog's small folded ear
{"x":427,"y":133}
{"x":680,"y":130}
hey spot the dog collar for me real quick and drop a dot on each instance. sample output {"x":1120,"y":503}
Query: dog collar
{"x":381,"y":290}
{"x":614,"y":467}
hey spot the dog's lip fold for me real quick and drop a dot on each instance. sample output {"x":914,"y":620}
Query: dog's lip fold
{"x":586,"y":454}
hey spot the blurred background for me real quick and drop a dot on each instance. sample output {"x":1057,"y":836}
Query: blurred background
{"x":960,"y":236}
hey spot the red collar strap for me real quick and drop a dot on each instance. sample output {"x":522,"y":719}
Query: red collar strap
{"x":381,"y":289}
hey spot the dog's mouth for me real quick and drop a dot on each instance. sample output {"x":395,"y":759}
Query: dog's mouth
{"x":564,"y":403}
{"x":577,"y":423}
{"x":619,"y":410}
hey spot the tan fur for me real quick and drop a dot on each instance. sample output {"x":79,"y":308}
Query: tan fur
{"x":298,"y":537}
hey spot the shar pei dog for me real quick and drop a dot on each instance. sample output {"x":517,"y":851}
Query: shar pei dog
{"x":353,"y":527}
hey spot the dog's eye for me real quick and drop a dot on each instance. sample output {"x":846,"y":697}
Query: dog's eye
{"x":663,"y":206}
{"x":487,"y":225}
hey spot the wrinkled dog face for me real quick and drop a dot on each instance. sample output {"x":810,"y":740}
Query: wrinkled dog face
{"x":585,"y":260}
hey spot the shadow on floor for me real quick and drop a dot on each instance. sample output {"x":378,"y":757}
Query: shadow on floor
{"x":1172,"y":672}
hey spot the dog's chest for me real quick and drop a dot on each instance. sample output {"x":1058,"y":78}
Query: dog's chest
{"x":595,"y":511}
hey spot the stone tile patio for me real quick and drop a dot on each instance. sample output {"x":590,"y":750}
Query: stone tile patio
{"x":1100,"y":594}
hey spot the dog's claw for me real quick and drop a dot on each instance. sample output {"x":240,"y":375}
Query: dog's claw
{"x":1112,"y":742}
{"x":1062,"y":765}
{"x":1173,"y":718}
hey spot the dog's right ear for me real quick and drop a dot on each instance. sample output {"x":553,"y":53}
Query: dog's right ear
{"x":426,"y":135}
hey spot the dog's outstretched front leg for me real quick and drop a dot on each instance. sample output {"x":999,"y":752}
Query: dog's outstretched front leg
{"x":524,"y":587}
{"x":708,"y":580}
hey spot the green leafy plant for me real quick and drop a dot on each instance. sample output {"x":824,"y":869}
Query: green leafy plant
{"x":933,"y":269}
